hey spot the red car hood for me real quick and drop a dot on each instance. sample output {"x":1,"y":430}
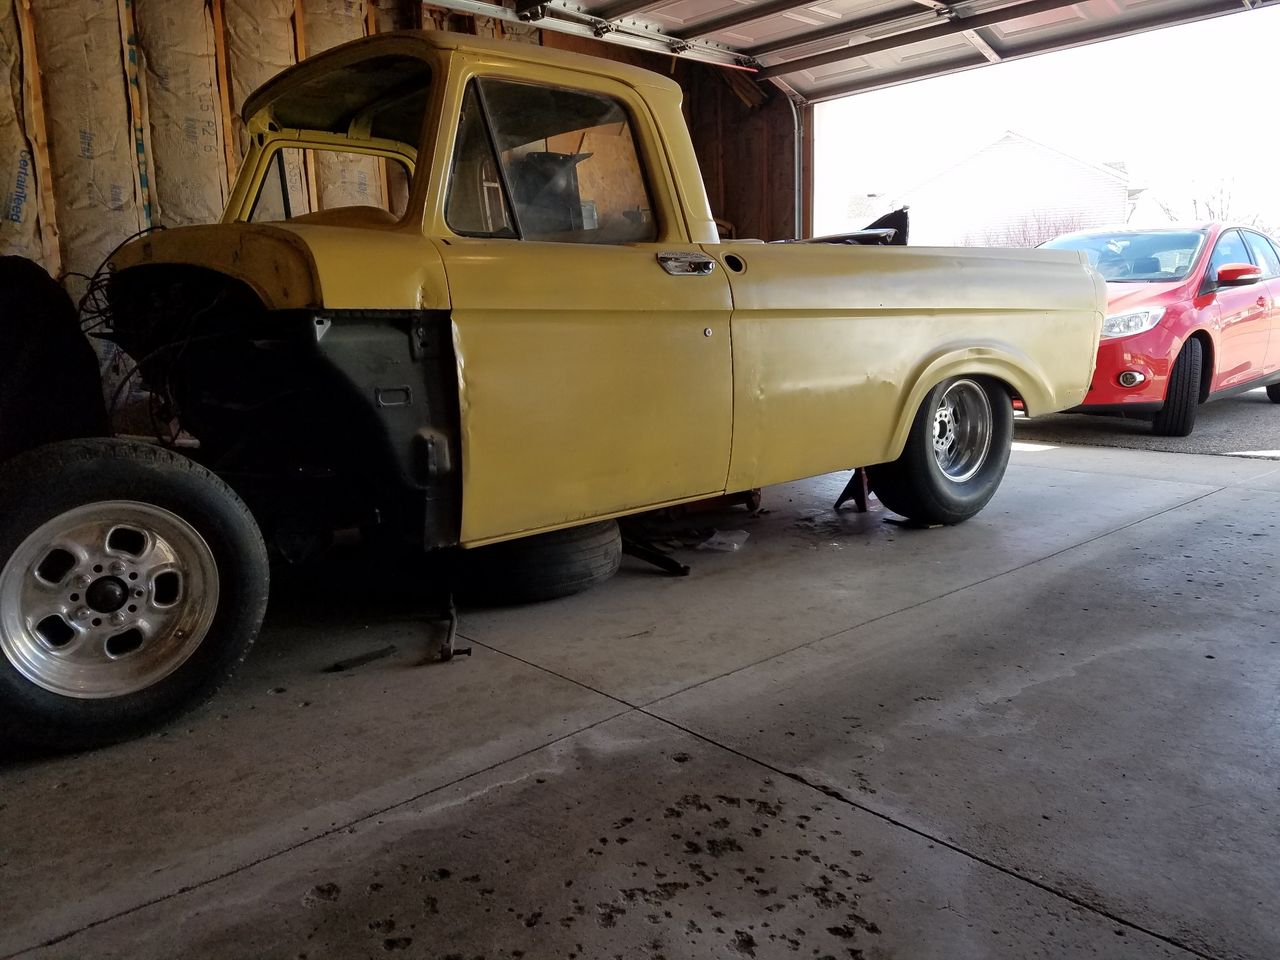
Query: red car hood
{"x":1122,"y":297}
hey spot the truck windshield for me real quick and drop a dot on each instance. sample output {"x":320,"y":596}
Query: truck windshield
{"x":1151,"y":256}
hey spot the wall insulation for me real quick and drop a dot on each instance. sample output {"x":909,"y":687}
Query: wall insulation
{"x":396,"y":16}
{"x":330,"y":23}
{"x":342,"y":179}
{"x":19,"y":228}
{"x":91,"y":142}
{"x":260,"y":43}
{"x":179,"y":74}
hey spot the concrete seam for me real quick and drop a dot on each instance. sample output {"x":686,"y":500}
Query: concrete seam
{"x":887,"y":818}
{"x":1269,"y":473}
{"x":909,"y":607}
{"x":835,"y":794}
{"x":364,"y":818}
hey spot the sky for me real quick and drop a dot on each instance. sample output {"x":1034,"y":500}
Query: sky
{"x":1188,"y":109}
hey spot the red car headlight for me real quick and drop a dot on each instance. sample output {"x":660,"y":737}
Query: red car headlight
{"x":1134,"y":321}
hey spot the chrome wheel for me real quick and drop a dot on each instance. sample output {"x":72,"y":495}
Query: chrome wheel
{"x":962,"y":426}
{"x":106,"y":599}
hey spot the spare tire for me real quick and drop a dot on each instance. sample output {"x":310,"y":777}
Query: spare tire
{"x":50,"y":388}
{"x":542,"y":567}
{"x":132,"y":583}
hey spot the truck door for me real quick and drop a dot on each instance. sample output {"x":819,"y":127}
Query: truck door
{"x":593,"y":348}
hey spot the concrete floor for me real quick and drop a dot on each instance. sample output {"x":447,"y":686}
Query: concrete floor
{"x":1243,"y":426}
{"x":1049,"y":732}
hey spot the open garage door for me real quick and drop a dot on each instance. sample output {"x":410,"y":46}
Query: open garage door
{"x":818,"y":51}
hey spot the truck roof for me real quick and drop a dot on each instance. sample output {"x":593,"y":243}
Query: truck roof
{"x":341,"y":69}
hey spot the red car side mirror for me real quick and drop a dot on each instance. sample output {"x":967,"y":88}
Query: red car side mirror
{"x":1238,"y":274}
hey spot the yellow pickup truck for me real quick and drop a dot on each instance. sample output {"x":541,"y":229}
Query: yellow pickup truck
{"x":468,"y":293}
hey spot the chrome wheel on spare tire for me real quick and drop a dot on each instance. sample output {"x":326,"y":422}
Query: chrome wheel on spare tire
{"x":955,"y":455}
{"x":132,"y":583}
{"x":106,"y":599}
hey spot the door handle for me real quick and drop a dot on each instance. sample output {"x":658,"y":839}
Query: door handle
{"x":686,"y":264}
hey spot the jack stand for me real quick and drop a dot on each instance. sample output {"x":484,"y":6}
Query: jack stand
{"x":643,"y":551}
{"x":856,"y":490}
{"x":447,"y":650}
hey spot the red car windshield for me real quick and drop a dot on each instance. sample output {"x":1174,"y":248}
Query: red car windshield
{"x":1155,"y":256}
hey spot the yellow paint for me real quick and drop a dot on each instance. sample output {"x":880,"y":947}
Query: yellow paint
{"x":835,"y":347}
{"x":590,"y":404}
{"x":375,"y":268}
{"x":592,"y":383}
{"x":273,"y":261}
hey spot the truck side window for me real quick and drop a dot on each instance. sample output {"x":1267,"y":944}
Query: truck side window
{"x":378,"y":187}
{"x":477,"y":203}
{"x":569,"y":163}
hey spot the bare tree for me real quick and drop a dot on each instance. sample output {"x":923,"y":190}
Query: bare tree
{"x":1218,"y":203}
{"x":1215,"y":201}
{"x":1168,"y":211}
{"x":1030,"y":230}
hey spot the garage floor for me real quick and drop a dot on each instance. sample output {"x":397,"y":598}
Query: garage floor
{"x":1243,"y":426}
{"x":1051,"y":731}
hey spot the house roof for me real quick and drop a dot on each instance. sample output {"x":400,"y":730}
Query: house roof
{"x":1108,"y":169}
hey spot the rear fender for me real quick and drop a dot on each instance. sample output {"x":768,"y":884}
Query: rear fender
{"x":1015,"y":370}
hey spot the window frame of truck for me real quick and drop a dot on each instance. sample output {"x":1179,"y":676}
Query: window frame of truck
{"x":265,"y":137}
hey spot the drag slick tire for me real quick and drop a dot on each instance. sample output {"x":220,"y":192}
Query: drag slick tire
{"x":132,"y":583}
{"x":955,"y":455}
{"x":1273,"y":392}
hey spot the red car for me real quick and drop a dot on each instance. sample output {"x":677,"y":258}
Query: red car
{"x":1194,"y":315}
